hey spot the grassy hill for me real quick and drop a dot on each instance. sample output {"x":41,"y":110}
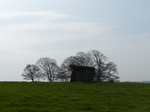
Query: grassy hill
{"x":74,"y":97}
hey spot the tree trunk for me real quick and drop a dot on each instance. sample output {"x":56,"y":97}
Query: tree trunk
{"x":32,"y":79}
{"x":99,"y":75}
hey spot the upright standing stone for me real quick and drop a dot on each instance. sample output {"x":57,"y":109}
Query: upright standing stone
{"x":82,"y":73}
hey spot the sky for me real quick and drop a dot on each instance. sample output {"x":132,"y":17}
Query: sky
{"x":32,"y":29}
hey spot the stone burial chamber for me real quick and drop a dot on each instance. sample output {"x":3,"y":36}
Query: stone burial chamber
{"x":82,"y":73}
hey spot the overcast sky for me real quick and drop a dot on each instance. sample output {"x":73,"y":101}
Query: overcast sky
{"x":32,"y":29}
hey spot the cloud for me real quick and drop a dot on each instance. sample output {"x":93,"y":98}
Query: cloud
{"x":51,"y":14}
{"x":23,"y":40}
{"x":46,"y":28}
{"x":43,"y":32}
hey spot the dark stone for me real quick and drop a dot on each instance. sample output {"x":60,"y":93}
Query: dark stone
{"x":73,"y":76}
{"x":82,"y":73}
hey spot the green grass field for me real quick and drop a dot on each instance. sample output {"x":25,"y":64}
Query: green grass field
{"x":74,"y":97}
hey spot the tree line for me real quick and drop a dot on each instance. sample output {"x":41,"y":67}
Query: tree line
{"x":47,"y":68}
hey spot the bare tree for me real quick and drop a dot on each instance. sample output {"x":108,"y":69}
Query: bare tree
{"x":99,"y":61}
{"x":65,"y":70}
{"x":31,"y":72}
{"x":110,"y":72}
{"x":84,"y":59}
{"x":63,"y":76}
{"x":103,"y":69}
{"x":48,"y":67}
{"x":81,"y":58}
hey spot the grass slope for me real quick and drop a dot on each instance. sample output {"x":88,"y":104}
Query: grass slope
{"x":74,"y":97}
